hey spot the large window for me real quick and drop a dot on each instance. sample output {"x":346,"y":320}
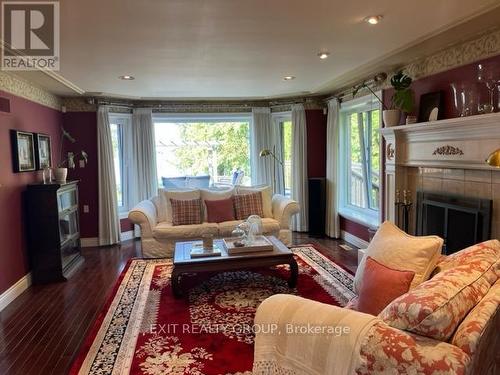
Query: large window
{"x":284,"y":122}
{"x":120,"y":126}
{"x":360,"y":160}
{"x":207,"y":150}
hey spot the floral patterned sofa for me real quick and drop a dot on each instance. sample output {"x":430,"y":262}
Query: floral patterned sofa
{"x":449,"y":324}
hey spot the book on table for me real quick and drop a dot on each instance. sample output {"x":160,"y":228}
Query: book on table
{"x":197,"y":250}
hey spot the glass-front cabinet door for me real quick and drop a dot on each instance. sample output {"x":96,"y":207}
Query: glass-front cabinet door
{"x":68,"y":226}
{"x":67,"y":199}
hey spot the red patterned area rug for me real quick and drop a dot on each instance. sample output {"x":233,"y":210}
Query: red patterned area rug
{"x":145,"y":330}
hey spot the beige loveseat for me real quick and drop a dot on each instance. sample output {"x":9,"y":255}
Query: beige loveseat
{"x":158,"y":234}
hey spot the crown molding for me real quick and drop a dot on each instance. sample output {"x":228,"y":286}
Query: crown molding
{"x":20,"y":87}
{"x":487,"y":45}
{"x":459,"y":54}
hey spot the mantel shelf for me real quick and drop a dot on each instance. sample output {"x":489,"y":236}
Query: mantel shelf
{"x":470,"y":124}
{"x":463,"y":142}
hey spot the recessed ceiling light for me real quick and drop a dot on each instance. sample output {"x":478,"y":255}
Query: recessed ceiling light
{"x":373,"y":20}
{"x":323,"y":55}
{"x":288,"y":78}
{"x":127,"y":78}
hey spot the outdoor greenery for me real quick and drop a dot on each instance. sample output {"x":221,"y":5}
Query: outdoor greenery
{"x":371,"y":136}
{"x":223,"y":143}
{"x":287,"y":155}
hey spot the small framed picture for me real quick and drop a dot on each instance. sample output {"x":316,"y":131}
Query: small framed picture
{"x":431,"y":107}
{"x":43,"y":151}
{"x":23,"y":151}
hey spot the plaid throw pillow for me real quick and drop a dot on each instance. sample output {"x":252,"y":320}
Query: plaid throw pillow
{"x":248,"y":204}
{"x":186,"y":212}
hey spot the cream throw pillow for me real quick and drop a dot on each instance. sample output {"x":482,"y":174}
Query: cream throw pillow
{"x":398,"y":250}
{"x":213,"y":195}
{"x":267,"y":197}
{"x":165,"y":213}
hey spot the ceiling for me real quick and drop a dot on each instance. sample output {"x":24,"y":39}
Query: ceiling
{"x":226,"y":49}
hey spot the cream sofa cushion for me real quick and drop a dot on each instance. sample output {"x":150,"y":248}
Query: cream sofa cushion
{"x":267,"y":197}
{"x":213,"y":195}
{"x":168,"y":231}
{"x":269,"y":226}
{"x":398,"y":250}
{"x":165,"y":210}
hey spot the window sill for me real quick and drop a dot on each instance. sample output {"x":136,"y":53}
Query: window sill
{"x":358,"y":217}
{"x":123,"y":215}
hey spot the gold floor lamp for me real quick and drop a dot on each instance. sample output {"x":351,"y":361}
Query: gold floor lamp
{"x":266,"y":152}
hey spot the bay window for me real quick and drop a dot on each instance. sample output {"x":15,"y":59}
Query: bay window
{"x":202,"y":150}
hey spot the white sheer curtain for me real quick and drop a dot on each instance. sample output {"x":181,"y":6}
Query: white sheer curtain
{"x":144,"y":180}
{"x":300,"y":221}
{"x":262,"y":136}
{"x":332,"y":227}
{"x":109,"y":223}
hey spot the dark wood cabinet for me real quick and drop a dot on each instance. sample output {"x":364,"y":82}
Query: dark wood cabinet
{"x":53,"y":230}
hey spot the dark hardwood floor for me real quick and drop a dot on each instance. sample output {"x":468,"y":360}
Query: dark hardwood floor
{"x":41,"y":331}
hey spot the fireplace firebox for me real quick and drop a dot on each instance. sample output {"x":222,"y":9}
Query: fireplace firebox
{"x":460,"y":221}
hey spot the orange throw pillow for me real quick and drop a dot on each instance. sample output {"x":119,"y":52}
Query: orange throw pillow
{"x":220,"y":210}
{"x":380,"y":286}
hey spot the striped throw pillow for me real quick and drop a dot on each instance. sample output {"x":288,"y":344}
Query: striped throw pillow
{"x":186,"y":212}
{"x":248,"y":204}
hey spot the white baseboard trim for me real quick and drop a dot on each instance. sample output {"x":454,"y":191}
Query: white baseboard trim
{"x":89,"y":242}
{"x":15,"y":291}
{"x":125,"y":236}
{"x":351,"y":238}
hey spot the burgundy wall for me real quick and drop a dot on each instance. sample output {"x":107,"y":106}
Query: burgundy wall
{"x":32,"y":117}
{"x":354,"y":228}
{"x":316,"y":143}
{"x":83,"y":127}
{"x":126,"y":225}
{"x":441,"y":82}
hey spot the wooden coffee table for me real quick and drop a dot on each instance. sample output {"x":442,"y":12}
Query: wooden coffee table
{"x":183,"y":263}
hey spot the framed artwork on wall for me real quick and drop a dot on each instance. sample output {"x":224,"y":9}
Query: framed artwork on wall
{"x":23,"y":151}
{"x":43,"y":151}
{"x":431,"y":107}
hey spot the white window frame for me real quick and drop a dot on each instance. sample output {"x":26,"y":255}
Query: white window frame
{"x":124,"y":120}
{"x":206,"y":117}
{"x":365,"y":216}
{"x":278,"y":118}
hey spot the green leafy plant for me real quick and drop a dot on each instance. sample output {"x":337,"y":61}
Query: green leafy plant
{"x":403,"y":95}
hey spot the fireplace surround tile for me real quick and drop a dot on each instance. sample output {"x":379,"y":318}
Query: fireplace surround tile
{"x":495,"y":177}
{"x":454,"y":174}
{"x":432,"y":184}
{"x":478,"y":189}
{"x":478,"y":176}
{"x":454,"y":187}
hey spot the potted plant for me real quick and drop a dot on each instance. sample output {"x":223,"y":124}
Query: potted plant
{"x":61,"y":171}
{"x":402,"y":100}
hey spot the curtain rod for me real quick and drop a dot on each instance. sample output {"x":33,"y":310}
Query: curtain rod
{"x":166,"y":105}
{"x":372,"y":83}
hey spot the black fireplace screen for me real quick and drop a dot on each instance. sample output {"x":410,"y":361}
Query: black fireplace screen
{"x":460,"y":221}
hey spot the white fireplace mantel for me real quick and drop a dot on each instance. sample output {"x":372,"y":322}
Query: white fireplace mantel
{"x":463,"y":143}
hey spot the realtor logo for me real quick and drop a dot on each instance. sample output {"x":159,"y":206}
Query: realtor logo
{"x":30,"y":34}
